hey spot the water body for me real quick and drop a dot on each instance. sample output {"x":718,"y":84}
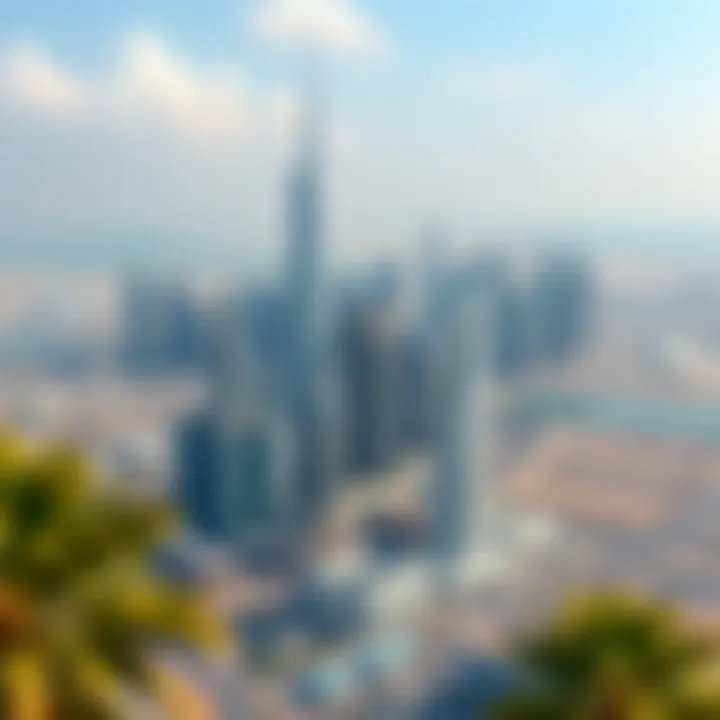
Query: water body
{"x":648,"y":417}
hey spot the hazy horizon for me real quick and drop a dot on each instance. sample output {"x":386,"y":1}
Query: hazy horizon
{"x":175,"y":119}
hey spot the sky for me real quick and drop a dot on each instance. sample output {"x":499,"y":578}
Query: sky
{"x":166,"y":127}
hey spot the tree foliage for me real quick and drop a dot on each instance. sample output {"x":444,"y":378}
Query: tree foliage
{"x":615,"y":656}
{"x":80,"y":610}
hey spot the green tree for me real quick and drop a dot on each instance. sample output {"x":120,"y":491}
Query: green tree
{"x":615,"y":656}
{"x":80,"y":609}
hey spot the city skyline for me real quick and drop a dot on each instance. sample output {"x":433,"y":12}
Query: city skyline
{"x":404,"y":310}
{"x":165,"y":125}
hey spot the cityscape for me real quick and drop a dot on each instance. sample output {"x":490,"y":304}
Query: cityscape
{"x":384,"y":470}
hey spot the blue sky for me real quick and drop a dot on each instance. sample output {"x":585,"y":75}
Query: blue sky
{"x":82,"y":30}
{"x":174,"y":118}
{"x":615,"y":42}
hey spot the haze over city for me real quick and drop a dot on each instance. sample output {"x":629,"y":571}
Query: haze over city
{"x":148,"y":126}
{"x":359,"y":360}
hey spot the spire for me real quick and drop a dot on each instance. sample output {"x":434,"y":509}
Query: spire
{"x":305,"y":245}
{"x":309,"y":127}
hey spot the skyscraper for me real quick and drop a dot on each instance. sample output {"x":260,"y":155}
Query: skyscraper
{"x":234,"y":479}
{"x":274,"y":449}
{"x":310,"y":389}
{"x":303,"y":271}
{"x":236,"y":458}
{"x":370,"y":358}
{"x":262,"y":321}
{"x":563,"y":298}
{"x":515,"y":313}
{"x":256,"y":451}
{"x":163,"y":327}
{"x":238,"y":377}
{"x":417,"y":387}
{"x":200,"y":494}
{"x":463,"y":434}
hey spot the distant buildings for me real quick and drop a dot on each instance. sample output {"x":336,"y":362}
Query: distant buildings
{"x":236,"y":458}
{"x":309,"y":395}
{"x":303,"y":278}
{"x":317,"y":463}
{"x":261,"y":318}
{"x":542,"y":316}
{"x":234,"y":481}
{"x":419,"y":393}
{"x":516,"y":342}
{"x":271,"y":425}
{"x":394,"y":538}
{"x":563,"y":297}
{"x":304,"y":387}
{"x":371,"y":356}
{"x":469,"y":690}
{"x":289,"y":410}
{"x":328,"y":614}
{"x":199,"y":491}
{"x":164,"y":329}
{"x":457,"y":495}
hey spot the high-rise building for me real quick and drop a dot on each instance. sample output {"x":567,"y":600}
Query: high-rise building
{"x":417,"y":387}
{"x":463,"y":439}
{"x":310,"y":391}
{"x":273,"y":397}
{"x":370,"y":357}
{"x":256,"y":467}
{"x":200,"y":494}
{"x":238,"y":377}
{"x":233,"y":481}
{"x":236,"y":459}
{"x":564,"y":292}
{"x":163,"y":327}
{"x":262,"y":321}
{"x":515,"y":325}
{"x":304,"y":271}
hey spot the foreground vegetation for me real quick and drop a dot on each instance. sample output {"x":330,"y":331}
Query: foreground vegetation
{"x":80,"y":610}
{"x":615,"y":656}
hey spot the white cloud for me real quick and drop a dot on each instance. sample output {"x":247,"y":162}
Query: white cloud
{"x":152,"y":145}
{"x":152,"y":82}
{"x":148,"y":87}
{"x":159,"y":145}
{"x":507,"y":82}
{"x":30,"y":78}
{"x":327,"y":25}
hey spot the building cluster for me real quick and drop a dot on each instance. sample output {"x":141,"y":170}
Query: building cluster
{"x":311,"y":389}
{"x":164,"y":328}
{"x":308,"y":385}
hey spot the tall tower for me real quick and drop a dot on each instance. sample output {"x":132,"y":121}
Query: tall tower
{"x":304,"y":259}
{"x":309,"y":392}
{"x":463,"y":439}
